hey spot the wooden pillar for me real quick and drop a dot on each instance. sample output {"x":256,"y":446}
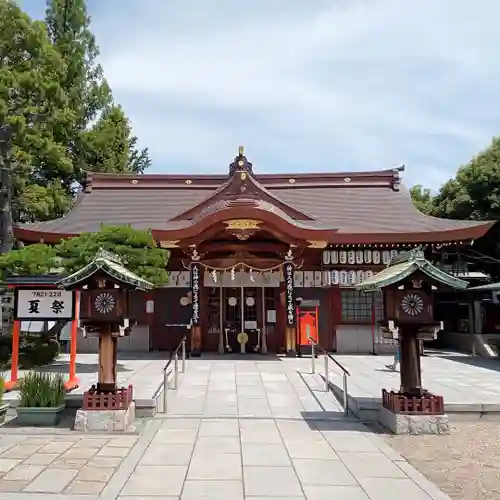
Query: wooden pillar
{"x":107,"y":363}
{"x":290,"y":338}
{"x":196,"y":340}
{"x":411,"y":381}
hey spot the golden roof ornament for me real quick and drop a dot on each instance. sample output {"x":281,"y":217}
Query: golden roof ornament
{"x":240,"y":163}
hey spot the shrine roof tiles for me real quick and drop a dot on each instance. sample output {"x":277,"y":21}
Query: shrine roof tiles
{"x":108,"y":265}
{"x":363,"y":207}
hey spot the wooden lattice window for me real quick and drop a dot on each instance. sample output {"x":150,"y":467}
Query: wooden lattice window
{"x":357,"y":306}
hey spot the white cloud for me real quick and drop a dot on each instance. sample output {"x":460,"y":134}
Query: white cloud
{"x":306,"y":85}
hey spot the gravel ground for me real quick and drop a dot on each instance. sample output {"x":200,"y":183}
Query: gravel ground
{"x":464,"y":464}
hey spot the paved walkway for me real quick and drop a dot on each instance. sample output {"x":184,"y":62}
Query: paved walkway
{"x":464,"y":381}
{"x":237,"y":429}
{"x":142,"y":370}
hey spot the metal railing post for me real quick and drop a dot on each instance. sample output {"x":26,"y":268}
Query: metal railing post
{"x":176,"y":370}
{"x":165,"y":389}
{"x":183,"y":351}
{"x":313,"y":357}
{"x":346,"y":404}
{"x":327,"y":381}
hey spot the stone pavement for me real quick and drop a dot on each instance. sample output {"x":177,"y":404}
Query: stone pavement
{"x":249,"y":428}
{"x":467,"y":383}
{"x":142,"y":370}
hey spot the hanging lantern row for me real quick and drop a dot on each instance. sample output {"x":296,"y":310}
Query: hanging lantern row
{"x":351,"y":257}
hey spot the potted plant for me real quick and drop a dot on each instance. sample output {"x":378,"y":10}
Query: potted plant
{"x":41,"y":399}
{"x":3,"y":406}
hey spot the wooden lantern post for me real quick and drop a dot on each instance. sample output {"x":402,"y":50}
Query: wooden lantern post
{"x":105,"y":288}
{"x":408,"y":284}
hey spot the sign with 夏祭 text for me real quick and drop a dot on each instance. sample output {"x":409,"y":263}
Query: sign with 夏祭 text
{"x":196,"y":274}
{"x":44,"y":304}
{"x":289,"y":295}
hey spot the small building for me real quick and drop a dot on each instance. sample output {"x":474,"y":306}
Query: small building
{"x":241,"y":227}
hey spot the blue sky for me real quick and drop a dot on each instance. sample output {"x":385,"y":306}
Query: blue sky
{"x":304,"y":85}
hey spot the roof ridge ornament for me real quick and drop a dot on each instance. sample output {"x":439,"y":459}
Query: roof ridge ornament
{"x":396,"y":177}
{"x":240,"y":163}
{"x":105,"y":254}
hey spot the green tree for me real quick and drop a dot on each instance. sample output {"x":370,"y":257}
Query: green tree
{"x":106,"y":147}
{"x":137,"y":249}
{"x":101,"y":139}
{"x":422,"y":198}
{"x":35,"y":106}
{"x":68,"y":25}
{"x":474,"y":193}
{"x":31,"y":260}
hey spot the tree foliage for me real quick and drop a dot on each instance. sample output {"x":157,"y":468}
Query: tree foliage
{"x":34,"y":105}
{"x":422,"y":198}
{"x":474,"y":193}
{"x":108,"y":146}
{"x":101,"y":139}
{"x":32,"y":260}
{"x":137,"y":249}
{"x":54,"y":96}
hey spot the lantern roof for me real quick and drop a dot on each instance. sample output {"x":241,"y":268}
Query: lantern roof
{"x":107,"y":263}
{"x":406,"y":264}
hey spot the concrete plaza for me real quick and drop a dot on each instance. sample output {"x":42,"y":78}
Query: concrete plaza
{"x":253,"y":428}
{"x":468,"y":384}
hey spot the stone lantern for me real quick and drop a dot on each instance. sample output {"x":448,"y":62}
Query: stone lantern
{"x":106,"y":290}
{"x":408,"y":284}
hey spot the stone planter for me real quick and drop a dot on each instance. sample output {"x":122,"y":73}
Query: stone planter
{"x":39,"y":416}
{"x":3,"y":412}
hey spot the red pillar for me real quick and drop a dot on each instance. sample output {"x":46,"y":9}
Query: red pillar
{"x":72,"y":382}
{"x":14,"y":371}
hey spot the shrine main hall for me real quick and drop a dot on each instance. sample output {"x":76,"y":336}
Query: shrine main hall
{"x":246,"y":249}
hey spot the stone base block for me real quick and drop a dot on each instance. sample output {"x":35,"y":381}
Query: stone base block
{"x":104,"y":420}
{"x":400,"y":423}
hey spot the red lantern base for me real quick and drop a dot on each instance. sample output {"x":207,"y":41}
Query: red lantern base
{"x":116,"y":400}
{"x":425,"y":404}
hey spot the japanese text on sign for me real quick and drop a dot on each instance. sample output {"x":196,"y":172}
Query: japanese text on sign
{"x":289,"y":295}
{"x":44,"y":304}
{"x":195,"y":292}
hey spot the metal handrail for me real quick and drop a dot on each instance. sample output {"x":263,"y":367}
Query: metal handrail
{"x":167,"y":371}
{"x":327,"y":356}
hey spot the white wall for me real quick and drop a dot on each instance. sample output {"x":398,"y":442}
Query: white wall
{"x":138,"y":341}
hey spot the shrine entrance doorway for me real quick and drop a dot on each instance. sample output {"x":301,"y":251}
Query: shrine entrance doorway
{"x":243,"y":314}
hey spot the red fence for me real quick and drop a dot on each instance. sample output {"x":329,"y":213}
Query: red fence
{"x":119,"y":400}
{"x":427,"y":404}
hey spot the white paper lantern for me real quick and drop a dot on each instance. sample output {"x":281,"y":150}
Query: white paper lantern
{"x":343,"y":257}
{"x":394,"y":254}
{"x":386,"y":256}
{"x":334,"y":257}
{"x":351,"y":277}
{"x":351,"y":257}
{"x":367,"y":254}
{"x":326,"y":257}
{"x":360,"y":275}
{"x":368,"y":274}
{"x":376,"y":257}
{"x":335,"y":277}
{"x":343,"y":277}
{"x":359,"y":257}
{"x":298,"y":279}
{"x":327,"y":278}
